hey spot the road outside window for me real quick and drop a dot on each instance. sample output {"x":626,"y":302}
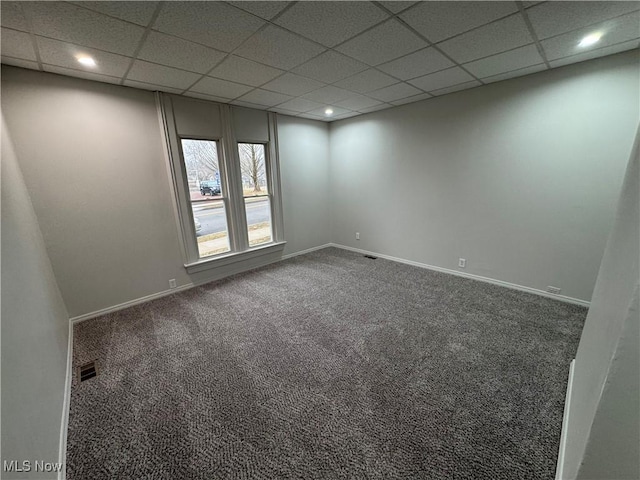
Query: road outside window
{"x":256,"y":192}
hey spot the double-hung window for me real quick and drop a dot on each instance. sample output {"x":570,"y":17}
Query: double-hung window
{"x":224,"y":168}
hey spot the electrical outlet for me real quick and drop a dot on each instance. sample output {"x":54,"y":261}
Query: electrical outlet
{"x":554,"y":290}
{"x":357,"y":235}
{"x":172,"y":283}
{"x":462,"y":262}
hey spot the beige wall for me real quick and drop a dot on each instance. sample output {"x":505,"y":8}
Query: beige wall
{"x":35,"y":329}
{"x":520,"y":177}
{"x":94,"y":163}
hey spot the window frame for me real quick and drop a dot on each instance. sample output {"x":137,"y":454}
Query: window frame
{"x":230,"y":177}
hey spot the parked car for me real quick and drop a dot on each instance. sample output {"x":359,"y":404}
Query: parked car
{"x":210,"y":187}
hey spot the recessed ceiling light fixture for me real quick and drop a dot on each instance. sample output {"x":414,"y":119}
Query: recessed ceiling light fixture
{"x":328,"y":111}
{"x":86,"y":61}
{"x":590,"y":39}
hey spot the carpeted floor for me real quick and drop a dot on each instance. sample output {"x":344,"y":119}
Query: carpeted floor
{"x":328,"y":365}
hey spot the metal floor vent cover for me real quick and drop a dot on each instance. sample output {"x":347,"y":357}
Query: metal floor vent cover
{"x":87,"y":371}
{"x":371,"y":257}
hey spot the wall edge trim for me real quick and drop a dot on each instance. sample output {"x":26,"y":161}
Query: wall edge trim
{"x":66,"y":403}
{"x":565,"y":423}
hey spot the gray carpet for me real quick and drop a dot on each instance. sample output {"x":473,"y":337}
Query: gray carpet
{"x":328,"y":365}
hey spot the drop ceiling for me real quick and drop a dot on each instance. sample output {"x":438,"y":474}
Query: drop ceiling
{"x":300,"y":58}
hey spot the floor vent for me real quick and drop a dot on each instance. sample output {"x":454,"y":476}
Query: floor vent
{"x":371,"y":257}
{"x":87,"y":371}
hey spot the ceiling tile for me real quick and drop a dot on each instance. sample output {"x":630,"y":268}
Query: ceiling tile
{"x":456,"y":88}
{"x":152,"y":87}
{"x":375,"y":108}
{"x":328,"y":94}
{"x":161,"y":75}
{"x":617,"y":30}
{"x":330,"y":67}
{"x":266,"y":10}
{"x":69,"y":72}
{"x":135,"y":12}
{"x":214,"y":24}
{"x":440,"y":20}
{"x":178,"y":53}
{"x":62,"y":54}
{"x":204,"y":96}
{"x":494,"y":38}
{"x":292,"y":84}
{"x":358,"y":102}
{"x":515,"y":73}
{"x":69,"y":23}
{"x":415,"y":98}
{"x":505,"y":62}
{"x":241,"y":70}
{"x":279,"y":48}
{"x":554,"y":18}
{"x":283,"y":111}
{"x":395,"y":92}
{"x":17,"y":44}
{"x":264,"y":97}
{"x":445,"y":78}
{"x":382,"y":43}
{"x":530,"y":4}
{"x":343,"y":116}
{"x":600,"y":52}
{"x":255,"y":106}
{"x":12,"y":16}
{"x":312,"y":117}
{"x":397,"y":6}
{"x":330,"y":23}
{"x":220,"y":88}
{"x":17,"y":62}
{"x":422,"y":62}
{"x":366,"y":81}
{"x":300,"y":105}
{"x":336,"y":112}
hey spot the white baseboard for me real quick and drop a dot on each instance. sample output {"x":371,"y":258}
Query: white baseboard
{"x":513,"y":286}
{"x":308,"y":250}
{"x":565,"y":424}
{"x":130,"y":303}
{"x":66,"y":402}
{"x":181,"y":288}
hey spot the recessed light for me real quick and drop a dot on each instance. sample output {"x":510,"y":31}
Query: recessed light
{"x":590,"y":39}
{"x":86,"y":61}
{"x":328,"y":111}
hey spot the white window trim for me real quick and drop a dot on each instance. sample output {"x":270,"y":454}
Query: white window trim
{"x":230,"y":174}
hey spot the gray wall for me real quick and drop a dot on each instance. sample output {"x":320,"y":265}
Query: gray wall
{"x":35,"y":329}
{"x":603,"y":434}
{"x":520,"y":177}
{"x":304,"y":172}
{"x":94,"y":163}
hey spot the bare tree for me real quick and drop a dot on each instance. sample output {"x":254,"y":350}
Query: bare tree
{"x":200,"y":158}
{"x":252,"y":164}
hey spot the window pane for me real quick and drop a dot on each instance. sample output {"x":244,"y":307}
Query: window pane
{"x":202,"y":166}
{"x":258,"y":220}
{"x":203,"y":177}
{"x":210,"y":220}
{"x":254,"y":170}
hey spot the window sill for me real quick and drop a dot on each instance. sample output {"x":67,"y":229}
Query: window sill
{"x":219,"y":261}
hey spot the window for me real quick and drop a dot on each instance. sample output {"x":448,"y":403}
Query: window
{"x":203,"y":177}
{"x":224,"y":168}
{"x":255,"y":190}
